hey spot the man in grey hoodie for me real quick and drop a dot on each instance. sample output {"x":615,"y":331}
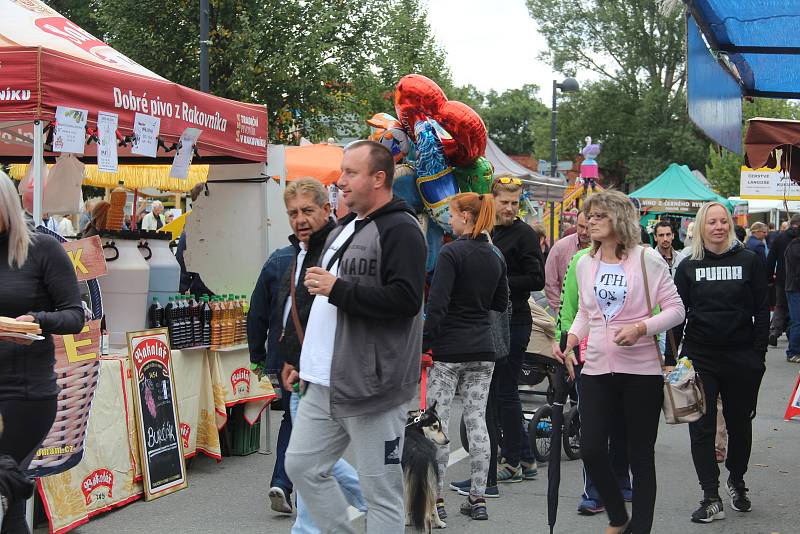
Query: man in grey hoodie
{"x":360,"y":360}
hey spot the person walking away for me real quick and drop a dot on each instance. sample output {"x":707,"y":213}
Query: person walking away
{"x":155,"y":219}
{"x":591,"y":502}
{"x":792,"y":259}
{"x":757,"y":241}
{"x":776,"y":264}
{"x":263,"y":331}
{"x":360,"y":360}
{"x":309,"y":214}
{"x":560,"y":255}
{"x":469,"y":281}
{"x":37,"y":284}
{"x":622,"y":375}
{"x":525,"y":270}
{"x":725,"y":292}
{"x":771,"y":235}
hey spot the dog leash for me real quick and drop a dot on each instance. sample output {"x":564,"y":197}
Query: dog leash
{"x":425,"y":363}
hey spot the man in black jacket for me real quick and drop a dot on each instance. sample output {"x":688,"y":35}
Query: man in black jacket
{"x":792,"y":286}
{"x":525,"y":269}
{"x":776,"y":264}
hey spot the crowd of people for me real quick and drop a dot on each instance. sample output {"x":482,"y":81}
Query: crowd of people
{"x":341,"y":316}
{"x":346,"y":313}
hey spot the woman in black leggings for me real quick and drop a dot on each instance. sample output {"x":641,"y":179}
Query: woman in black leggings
{"x":37,"y":284}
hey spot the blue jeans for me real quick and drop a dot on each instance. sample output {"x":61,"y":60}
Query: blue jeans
{"x":793,"y":300}
{"x":344,"y":474}
{"x":279,"y":476}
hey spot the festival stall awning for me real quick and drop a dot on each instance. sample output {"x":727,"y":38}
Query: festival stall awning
{"x":773,"y":142}
{"x":47,"y":61}
{"x":322,"y":161}
{"x":676,"y":190}
{"x":738,"y":48}
{"x":544,"y":188}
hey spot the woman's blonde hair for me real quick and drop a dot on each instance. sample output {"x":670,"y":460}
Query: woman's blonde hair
{"x":624,"y":219}
{"x":12,"y":222}
{"x":480,"y":207}
{"x":699,"y":239}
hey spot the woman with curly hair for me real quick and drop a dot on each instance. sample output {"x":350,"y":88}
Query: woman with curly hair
{"x":622,"y":375}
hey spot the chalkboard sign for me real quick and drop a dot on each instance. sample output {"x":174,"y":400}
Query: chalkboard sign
{"x":158,"y":424}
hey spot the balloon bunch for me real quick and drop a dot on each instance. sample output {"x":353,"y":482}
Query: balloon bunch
{"x":443,"y":142}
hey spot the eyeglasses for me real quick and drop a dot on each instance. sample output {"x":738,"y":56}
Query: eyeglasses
{"x":508,"y":180}
{"x":597,"y":216}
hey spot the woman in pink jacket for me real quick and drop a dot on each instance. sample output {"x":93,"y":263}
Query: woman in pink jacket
{"x":622,"y":376}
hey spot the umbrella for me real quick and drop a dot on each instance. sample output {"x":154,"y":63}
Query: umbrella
{"x":557,"y":420}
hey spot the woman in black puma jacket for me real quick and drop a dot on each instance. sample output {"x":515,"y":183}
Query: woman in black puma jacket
{"x":724,"y":288}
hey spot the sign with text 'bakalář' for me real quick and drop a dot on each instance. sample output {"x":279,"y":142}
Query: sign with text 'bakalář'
{"x":157,"y":421}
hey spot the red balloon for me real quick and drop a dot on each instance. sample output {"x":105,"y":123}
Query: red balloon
{"x":468,"y":130}
{"x":415,"y":97}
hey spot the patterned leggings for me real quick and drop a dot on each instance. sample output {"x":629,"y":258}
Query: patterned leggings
{"x":474,"y":379}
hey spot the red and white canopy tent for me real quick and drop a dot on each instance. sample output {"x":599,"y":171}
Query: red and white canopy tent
{"x":47,"y":61}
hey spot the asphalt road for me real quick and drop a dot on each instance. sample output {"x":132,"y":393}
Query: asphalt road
{"x":232,"y":496}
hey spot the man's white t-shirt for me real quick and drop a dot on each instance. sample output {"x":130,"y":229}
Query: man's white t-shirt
{"x":610,"y":288}
{"x":317,"y":353}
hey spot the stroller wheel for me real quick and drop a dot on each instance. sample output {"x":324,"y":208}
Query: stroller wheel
{"x":572,"y":434}
{"x":539,"y":430}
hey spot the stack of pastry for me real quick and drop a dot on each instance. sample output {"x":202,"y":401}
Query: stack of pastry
{"x":116,"y":214}
{"x":12,"y":326}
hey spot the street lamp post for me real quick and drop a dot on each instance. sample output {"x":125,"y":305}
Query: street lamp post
{"x":569,"y":85}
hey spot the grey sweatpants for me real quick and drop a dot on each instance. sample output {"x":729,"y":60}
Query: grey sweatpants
{"x":318,"y":441}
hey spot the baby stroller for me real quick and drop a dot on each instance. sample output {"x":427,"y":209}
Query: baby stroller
{"x":540,"y":429}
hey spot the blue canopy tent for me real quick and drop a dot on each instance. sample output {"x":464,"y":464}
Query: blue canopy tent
{"x":739,"y":48}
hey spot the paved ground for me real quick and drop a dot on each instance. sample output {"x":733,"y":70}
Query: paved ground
{"x":231,"y":496}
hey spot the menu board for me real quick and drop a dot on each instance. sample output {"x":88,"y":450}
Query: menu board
{"x":156,"y":412}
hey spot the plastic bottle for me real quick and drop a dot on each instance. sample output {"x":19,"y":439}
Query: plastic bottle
{"x":237,"y":319}
{"x":242,"y":320}
{"x":197,"y":321}
{"x":228,"y":332}
{"x":205,"y":317}
{"x":216,"y":324}
{"x":156,"y":314}
{"x":169,"y":321}
{"x":180,"y":322}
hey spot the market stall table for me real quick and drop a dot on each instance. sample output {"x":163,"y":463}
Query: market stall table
{"x":109,"y":475}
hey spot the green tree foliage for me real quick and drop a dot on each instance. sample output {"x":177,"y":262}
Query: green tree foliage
{"x":638,"y":106}
{"x":724,"y":167}
{"x":314,"y":63}
{"x":510,"y":118}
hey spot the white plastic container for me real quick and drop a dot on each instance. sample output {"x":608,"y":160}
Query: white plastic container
{"x":165,"y":271}
{"x":124,"y":288}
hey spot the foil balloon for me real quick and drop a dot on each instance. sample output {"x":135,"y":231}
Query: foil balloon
{"x":435,"y":179}
{"x":404,"y":186}
{"x":467,"y":128}
{"x":417,"y":97}
{"x":388,"y":131}
{"x":477,"y":178}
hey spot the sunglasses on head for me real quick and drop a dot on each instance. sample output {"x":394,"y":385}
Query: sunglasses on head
{"x":508,"y":180}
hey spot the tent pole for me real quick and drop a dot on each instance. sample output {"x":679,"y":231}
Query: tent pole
{"x":38,"y":154}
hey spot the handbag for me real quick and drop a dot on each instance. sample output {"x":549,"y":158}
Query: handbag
{"x":684,"y":397}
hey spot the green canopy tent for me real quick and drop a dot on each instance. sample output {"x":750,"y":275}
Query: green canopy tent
{"x":675,"y":192}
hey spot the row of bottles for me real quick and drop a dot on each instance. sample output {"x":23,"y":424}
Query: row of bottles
{"x":220,"y":321}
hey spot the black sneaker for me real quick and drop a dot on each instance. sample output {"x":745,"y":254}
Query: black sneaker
{"x":773,"y":340}
{"x":739,"y":499}
{"x":475,"y":509}
{"x":710,"y":510}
